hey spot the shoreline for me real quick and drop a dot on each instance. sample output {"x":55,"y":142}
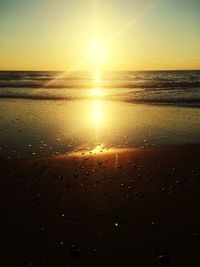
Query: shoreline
{"x":185,"y":103}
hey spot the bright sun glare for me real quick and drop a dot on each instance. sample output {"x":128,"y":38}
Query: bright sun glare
{"x":98,"y":52}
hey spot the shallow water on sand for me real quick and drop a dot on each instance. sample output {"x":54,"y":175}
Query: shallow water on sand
{"x":30,"y":127}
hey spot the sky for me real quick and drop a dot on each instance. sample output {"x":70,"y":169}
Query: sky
{"x":99,"y":34}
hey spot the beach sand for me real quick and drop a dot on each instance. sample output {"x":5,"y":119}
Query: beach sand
{"x":128,"y":207}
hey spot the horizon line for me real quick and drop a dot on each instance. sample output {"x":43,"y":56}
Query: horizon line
{"x":23,"y":70}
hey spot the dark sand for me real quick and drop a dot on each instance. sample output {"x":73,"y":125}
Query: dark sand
{"x":137,"y":207}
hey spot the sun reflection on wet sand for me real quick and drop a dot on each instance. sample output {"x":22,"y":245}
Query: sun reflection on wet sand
{"x":112,"y":157}
{"x":99,"y":150}
{"x":97,"y":112}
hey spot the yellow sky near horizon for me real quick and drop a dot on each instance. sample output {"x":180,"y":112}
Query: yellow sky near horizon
{"x":99,"y":35}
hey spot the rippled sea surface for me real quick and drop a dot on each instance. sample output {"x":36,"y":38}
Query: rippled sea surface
{"x":152,"y":87}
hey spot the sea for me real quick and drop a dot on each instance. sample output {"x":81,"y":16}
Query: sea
{"x":180,"y":88}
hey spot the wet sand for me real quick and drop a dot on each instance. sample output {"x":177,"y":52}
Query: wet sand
{"x":132,"y":207}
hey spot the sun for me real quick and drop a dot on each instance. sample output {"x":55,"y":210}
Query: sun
{"x":98,"y":52}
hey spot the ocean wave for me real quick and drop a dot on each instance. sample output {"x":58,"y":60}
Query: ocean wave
{"x":105,"y":84}
{"x":180,"y":88}
{"x":79,"y":80}
{"x":150,"y":101}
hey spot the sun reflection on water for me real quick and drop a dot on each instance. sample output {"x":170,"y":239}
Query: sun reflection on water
{"x":97,"y":77}
{"x":97,"y":92}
